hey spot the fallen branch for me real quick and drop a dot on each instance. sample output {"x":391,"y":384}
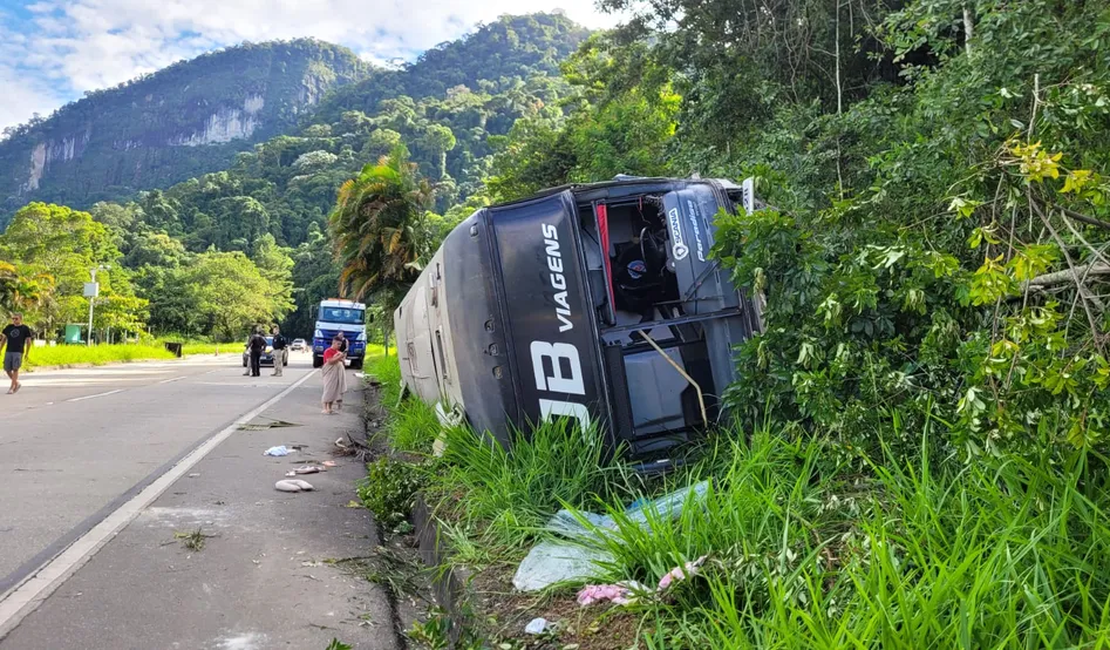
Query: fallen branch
{"x":1084,"y":218}
{"x":1067,"y":275}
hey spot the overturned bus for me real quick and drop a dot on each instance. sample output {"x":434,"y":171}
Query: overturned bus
{"x":597,"y":302}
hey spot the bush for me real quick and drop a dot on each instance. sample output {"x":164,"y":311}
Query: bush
{"x":389,"y":490}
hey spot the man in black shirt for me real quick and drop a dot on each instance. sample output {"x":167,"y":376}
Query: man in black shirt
{"x":17,"y":338}
{"x":257,"y":346}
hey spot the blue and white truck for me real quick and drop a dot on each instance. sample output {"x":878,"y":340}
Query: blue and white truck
{"x":335,"y":315}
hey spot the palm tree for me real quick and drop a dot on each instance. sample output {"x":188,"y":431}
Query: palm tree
{"x":21,"y":290}
{"x":378,"y":228}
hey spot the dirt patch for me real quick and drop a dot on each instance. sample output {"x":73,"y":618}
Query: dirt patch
{"x":500,"y":614}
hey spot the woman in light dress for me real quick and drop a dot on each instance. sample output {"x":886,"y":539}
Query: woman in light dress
{"x":335,"y":380}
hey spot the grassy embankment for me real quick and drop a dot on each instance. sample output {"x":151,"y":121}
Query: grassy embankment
{"x":72,"y":355}
{"x":910,"y":553}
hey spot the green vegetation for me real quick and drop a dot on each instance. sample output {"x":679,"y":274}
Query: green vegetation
{"x":96,"y":355}
{"x":271,"y":202}
{"x":153,"y":131}
{"x":919,"y":452}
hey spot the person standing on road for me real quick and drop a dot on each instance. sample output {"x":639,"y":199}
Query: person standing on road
{"x":333,"y":376}
{"x":17,"y":337}
{"x":257,"y":345}
{"x":279,"y":351}
{"x":342,"y":370}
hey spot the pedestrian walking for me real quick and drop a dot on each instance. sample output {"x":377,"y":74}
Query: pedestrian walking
{"x":279,"y":350}
{"x":333,"y":376}
{"x":17,"y":338}
{"x":257,"y":346}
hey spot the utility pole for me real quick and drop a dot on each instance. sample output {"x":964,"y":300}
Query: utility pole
{"x":92,"y":289}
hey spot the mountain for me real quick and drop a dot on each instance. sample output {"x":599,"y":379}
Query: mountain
{"x":187,"y":119}
{"x":445,"y":108}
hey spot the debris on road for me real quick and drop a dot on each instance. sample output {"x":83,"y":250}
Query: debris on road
{"x":277,"y":451}
{"x":293,"y":485}
{"x":269,"y":424}
{"x":193,"y":541}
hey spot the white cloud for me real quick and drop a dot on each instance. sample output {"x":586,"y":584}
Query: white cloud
{"x":78,"y":45}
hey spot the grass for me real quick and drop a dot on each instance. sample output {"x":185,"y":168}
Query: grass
{"x":65,"y":355}
{"x":96,"y":355}
{"x":801,"y":553}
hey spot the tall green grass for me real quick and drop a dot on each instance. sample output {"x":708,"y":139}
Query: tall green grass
{"x":917,"y":552}
{"x":412,"y":425}
{"x":1005,"y":555}
{"x":65,"y":355}
{"x":510,"y":495}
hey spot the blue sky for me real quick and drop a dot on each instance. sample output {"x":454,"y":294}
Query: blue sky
{"x":52,"y":51}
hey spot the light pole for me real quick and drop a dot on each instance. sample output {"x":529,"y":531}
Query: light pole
{"x":91,"y":291}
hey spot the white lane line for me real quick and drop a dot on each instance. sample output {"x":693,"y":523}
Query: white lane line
{"x":111,"y":392}
{"x":25,"y":597}
{"x":170,"y":381}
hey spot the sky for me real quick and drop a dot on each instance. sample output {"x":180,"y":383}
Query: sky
{"x":52,"y":51}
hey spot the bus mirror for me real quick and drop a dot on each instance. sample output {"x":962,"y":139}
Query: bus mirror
{"x":371,"y":318}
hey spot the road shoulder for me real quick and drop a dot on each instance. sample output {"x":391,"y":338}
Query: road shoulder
{"x":274,"y":569}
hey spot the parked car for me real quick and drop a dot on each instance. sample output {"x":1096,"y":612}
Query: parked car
{"x":299,"y":345}
{"x":267,"y":354}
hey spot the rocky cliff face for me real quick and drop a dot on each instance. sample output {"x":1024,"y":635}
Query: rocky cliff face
{"x":182,"y":121}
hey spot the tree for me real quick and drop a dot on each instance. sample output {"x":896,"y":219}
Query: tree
{"x":66,"y":244}
{"x":23,"y":289}
{"x":276,"y":266}
{"x":378,"y":230}
{"x":438,"y":140}
{"x":231,"y":294}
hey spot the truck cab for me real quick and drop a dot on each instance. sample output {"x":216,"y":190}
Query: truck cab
{"x":594,"y":302}
{"x":336,"y":315}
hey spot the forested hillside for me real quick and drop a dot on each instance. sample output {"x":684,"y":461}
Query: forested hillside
{"x":187,"y":119}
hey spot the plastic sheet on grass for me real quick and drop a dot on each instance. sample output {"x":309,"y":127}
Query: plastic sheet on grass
{"x":577,"y":556}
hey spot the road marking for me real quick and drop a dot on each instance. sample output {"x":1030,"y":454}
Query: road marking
{"x":170,"y":381}
{"x":25,"y":597}
{"x":111,"y":392}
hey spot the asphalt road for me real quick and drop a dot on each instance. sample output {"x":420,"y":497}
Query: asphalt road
{"x":77,"y":450}
{"x":73,"y":441}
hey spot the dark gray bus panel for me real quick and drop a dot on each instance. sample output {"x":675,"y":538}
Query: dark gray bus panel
{"x":596,"y":302}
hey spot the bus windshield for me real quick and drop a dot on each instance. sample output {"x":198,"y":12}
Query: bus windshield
{"x":342,"y":315}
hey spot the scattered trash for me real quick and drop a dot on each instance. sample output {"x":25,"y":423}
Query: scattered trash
{"x":536,"y":626}
{"x":271,"y":424}
{"x":194,"y":475}
{"x":330,"y":463}
{"x":620,"y":594}
{"x":554,"y":561}
{"x":624,"y":593}
{"x":276,"y":451}
{"x":293,"y":485}
{"x":308,"y":469}
{"x":551,"y":562}
{"x":567,"y":523}
{"x":681,"y":573}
